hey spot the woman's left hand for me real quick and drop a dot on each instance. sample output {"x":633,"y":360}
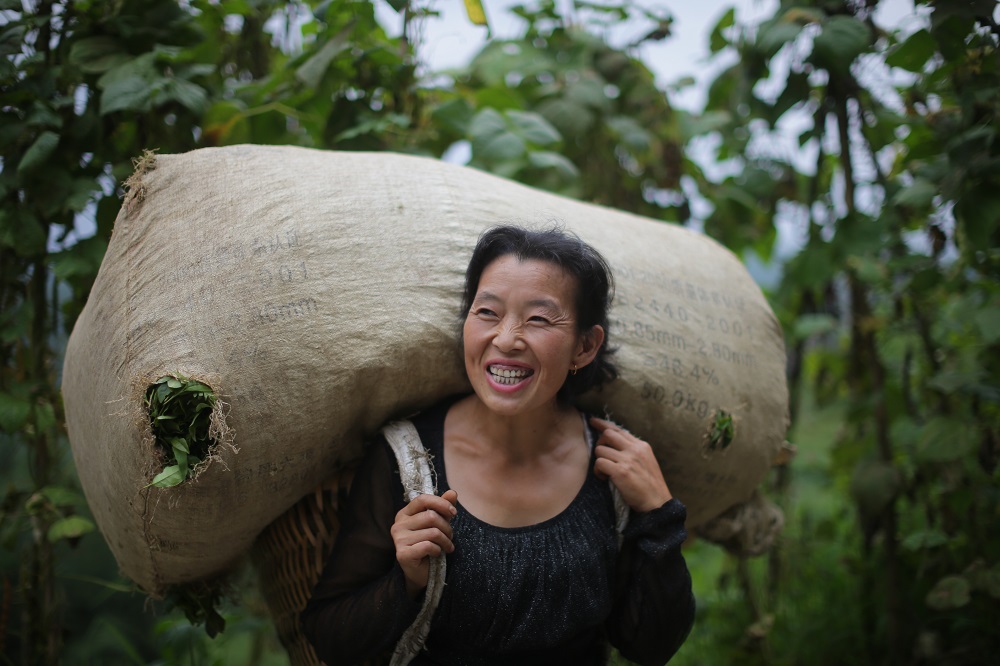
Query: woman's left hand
{"x":630,"y":464}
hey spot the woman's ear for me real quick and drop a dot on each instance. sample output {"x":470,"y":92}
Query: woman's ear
{"x":590,"y":344}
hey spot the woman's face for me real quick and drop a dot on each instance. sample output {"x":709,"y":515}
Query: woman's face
{"x":520,"y":336}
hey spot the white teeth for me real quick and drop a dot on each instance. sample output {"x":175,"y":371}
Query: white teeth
{"x":508,"y":376}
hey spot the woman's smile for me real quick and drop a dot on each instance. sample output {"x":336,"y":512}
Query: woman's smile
{"x":508,"y":377}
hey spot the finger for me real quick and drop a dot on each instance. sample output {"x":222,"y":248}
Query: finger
{"x":417,"y":552}
{"x":422,"y":521}
{"x":609,"y":428}
{"x":431,"y":535}
{"x":614,"y":439}
{"x":603,"y":468}
{"x":601,"y":424}
{"x":451,"y":496}
{"x":429,"y":502}
{"x":608,"y":452}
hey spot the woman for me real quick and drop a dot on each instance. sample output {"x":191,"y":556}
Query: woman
{"x":536,"y":572}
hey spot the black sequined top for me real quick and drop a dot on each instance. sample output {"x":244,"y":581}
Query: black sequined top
{"x":557,"y":592}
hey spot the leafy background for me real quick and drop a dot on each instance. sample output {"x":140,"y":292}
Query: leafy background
{"x":890,"y":300}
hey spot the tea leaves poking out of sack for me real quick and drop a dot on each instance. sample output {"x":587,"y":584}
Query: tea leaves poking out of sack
{"x":180,"y":412}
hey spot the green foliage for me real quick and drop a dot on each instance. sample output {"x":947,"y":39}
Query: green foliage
{"x":723,"y":431}
{"x":542,"y":108}
{"x":200,"y":604}
{"x":180,"y":414}
{"x":891,"y":299}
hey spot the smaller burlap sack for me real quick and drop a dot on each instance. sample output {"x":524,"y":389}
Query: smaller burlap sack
{"x":317,"y":294}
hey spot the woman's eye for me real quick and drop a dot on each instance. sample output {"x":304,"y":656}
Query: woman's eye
{"x":538,"y":319}
{"x":485,"y":312}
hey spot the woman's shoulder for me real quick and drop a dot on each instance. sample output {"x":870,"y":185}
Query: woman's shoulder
{"x":430,"y":421}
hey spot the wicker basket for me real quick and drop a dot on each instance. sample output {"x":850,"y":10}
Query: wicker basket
{"x":289,"y":556}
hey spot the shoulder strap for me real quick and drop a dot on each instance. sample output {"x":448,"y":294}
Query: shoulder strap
{"x":622,"y":510}
{"x":416,"y":471}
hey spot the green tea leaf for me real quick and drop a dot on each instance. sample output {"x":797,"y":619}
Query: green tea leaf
{"x":169,"y":477}
{"x":179,"y":444}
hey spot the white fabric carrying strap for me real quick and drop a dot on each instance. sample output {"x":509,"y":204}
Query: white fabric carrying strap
{"x":417,"y":474}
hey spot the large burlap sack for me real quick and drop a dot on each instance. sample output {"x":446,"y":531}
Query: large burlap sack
{"x":317,"y":293}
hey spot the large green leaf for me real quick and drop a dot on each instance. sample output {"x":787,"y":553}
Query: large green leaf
{"x":38,"y":153}
{"x":842,"y":39}
{"x":717,"y":39}
{"x":774,"y":35}
{"x":705,"y":123}
{"x":453,"y":115}
{"x":913,"y":54}
{"x":544,"y":159}
{"x":924,"y":540}
{"x":131,"y":85}
{"x":21,"y":231}
{"x":487,"y":124}
{"x":945,"y":439}
{"x":633,"y":135}
{"x":589,"y":92}
{"x":533,"y":128}
{"x":809,"y":325}
{"x":949,"y":593}
{"x":311,"y":72}
{"x":14,"y":412}
{"x":71,"y":527}
{"x":94,"y":55}
{"x":874,"y":485}
{"x":499,"y":148}
{"x":570,"y":118}
{"x":987,"y":321}
{"x":187,"y":94}
{"x":81,"y":260}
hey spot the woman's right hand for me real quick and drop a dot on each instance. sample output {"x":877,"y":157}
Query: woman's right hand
{"x":422,"y":529}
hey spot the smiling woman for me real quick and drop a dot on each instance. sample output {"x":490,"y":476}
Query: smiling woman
{"x":542,"y":564}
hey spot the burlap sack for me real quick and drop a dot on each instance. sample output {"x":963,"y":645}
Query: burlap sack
{"x":317,"y":293}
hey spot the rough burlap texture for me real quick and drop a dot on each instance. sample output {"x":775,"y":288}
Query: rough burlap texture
{"x":317,"y":293}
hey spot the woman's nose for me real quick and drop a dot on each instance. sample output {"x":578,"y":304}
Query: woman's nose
{"x":508,"y":336}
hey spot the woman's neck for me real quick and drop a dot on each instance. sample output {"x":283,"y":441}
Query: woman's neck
{"x":519,"y":438}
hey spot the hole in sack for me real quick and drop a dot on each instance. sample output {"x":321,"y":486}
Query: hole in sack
{"x":180,"y":416}
{"x":722,"y":432}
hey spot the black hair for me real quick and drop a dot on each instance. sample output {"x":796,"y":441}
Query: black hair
{"x":591,"y":274}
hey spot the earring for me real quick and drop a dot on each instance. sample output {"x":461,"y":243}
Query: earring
{"x":573,"y":371}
